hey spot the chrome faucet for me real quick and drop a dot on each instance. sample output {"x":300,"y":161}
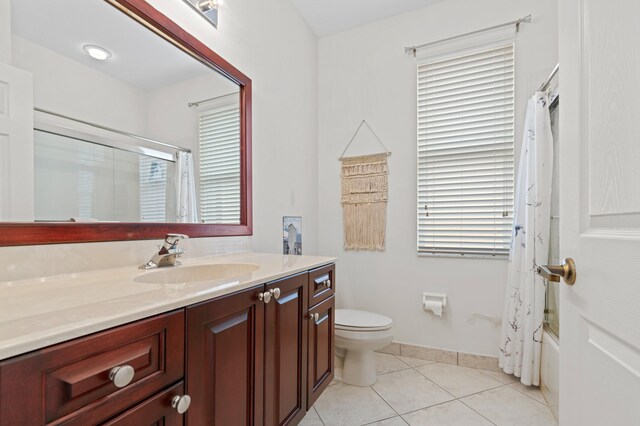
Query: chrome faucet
{"x":167,"y":254}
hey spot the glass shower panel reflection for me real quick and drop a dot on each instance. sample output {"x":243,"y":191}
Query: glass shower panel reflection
{"x":85,"y":181}
{"x":552,"y":317}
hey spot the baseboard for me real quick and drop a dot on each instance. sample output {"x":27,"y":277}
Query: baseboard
{"x":440,"y":355}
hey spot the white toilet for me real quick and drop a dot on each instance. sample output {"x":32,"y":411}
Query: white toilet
{"x":358,"y":335}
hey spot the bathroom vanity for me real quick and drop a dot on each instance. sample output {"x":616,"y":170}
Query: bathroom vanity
{"x":254,"y":349}
{"x":243,"y":339}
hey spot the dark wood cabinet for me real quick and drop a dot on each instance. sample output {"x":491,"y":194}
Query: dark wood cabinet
{"x":321,"y":348}
{"x":70,"y":383}
{"x":260,"y":356}
{"x":286,"y":351}
{"x":225,"y":355}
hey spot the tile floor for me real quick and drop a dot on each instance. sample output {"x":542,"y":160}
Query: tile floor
{"x":416,"y":392}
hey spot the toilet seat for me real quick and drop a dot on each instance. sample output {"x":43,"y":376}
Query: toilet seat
{"x":361,"y":321}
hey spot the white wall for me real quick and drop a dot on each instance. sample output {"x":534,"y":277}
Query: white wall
{"x":68,"y":87}
{"x":169,"y":117}
{"x":271,"y":43}
{"x":364,"y":74}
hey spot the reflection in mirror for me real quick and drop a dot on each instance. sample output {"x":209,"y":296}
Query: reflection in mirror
{"x":144,"y":133}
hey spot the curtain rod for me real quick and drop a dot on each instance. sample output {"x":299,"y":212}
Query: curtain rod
{"x":412,"y":49}
{"x":547,"y":82}
{"x":197,"y":103}
{"x":109,"y":129}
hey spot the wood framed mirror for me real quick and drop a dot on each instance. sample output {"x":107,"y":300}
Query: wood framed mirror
{"x":59,"y":214}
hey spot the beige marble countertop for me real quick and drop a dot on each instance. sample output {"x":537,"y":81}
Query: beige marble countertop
{"x":36,"y":313}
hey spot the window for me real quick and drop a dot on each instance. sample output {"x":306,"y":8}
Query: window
{"x":153,"y":189}
{"x":219,"y":160}
{"x":465,"y":152}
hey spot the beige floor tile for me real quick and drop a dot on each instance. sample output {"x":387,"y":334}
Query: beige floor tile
{"x":395,"y":421}
{"x":532,"y":391}
{"x":347,"y":405}
{"x":452,"y":413}
{"x":502,"y":377}
{"x":458,"y":381}
{"x":414,"y":362}
{"x":311,"y":419}
{"x":386,"y":363}
{"x":408,"y":390}
{"x":506,"y":406}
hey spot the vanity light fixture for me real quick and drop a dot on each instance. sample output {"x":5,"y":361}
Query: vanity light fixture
{"x":207,"y":8}
{"x":97,"y":52}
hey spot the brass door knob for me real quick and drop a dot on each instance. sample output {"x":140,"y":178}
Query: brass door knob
{"x":566,"y":271}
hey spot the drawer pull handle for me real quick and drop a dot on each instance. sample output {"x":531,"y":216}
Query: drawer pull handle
{"x":322,"y":280}
{"x":181,"y":403}
{"x":121,"y":375}
{"x":275,"y":292}
{"x":265,"y":297}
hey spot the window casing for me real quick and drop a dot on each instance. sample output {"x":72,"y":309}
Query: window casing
{"x":466,"y":152}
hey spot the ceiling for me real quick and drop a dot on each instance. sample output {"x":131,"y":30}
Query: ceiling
{"x":332,"y":16}
{"x":139,"y":56}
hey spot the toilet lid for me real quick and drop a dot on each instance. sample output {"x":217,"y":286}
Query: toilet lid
{"x":361,"y":320}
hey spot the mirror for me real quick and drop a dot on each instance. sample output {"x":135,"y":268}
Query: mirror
{"x":130,"y":124}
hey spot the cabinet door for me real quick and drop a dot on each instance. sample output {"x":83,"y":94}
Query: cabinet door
{"x":156,"y":410}
{"x":286,"y":351}
{"x":225,"y":353}
{"x":321,"y":348}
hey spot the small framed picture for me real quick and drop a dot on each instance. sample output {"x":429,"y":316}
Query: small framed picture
{"x":292,"y":235}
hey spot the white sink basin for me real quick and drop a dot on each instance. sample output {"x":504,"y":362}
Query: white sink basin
{"x":196,"y":273}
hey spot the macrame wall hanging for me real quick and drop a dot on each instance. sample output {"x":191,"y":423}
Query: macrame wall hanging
{"x":364,"y":197}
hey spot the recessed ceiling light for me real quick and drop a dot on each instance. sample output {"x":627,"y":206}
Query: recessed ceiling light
{"x":97,"y":52}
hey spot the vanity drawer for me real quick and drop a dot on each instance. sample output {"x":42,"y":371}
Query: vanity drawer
{"x":156,"y":410}
{"x":321,"y":284}
{"x":74,"y":380}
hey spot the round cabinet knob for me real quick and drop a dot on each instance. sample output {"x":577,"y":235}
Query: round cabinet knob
{"x":121,"y":375}
{"x":315,"y":317}
{"x":275,"y":292}
{"x":181,"y":403}
{"x":328,"y":283}
{"x":265,"y":297}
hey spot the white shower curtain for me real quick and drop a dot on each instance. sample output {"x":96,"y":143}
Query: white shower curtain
{"x":521,"y":337}
{"x":186,"y":203}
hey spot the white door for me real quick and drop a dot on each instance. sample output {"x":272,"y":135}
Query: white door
{"x":16,"y":144}
{"x":600,"y":211}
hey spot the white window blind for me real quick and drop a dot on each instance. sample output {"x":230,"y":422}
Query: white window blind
{"x":153,"y":189}
{"x":219,"y":160}
{"x":465,"y":152}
